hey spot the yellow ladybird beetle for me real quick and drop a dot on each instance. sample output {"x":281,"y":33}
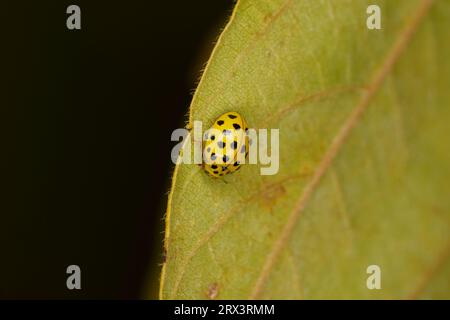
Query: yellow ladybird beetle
{"x":226,"y":145}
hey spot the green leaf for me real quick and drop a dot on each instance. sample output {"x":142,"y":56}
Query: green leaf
{"x":364,"y":179}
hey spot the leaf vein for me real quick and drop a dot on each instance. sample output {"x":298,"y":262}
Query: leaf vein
{"x":342,"y":135}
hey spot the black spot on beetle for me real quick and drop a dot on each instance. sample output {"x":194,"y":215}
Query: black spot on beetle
{"x":225,"y":158}
{"x":213,"y":137}
{"x":236,"y":126}
{"x":213,"y":156}
{"x":221,"y":144}
{"x":224,"y":168}
{"x":234,"y":145}
{"x":226,"y":132}
{"x":237,"y":163}
{"x":232,"y":116}
{"x":216,"y":172}
{"x":214,"y":166}
{"x":220,"y":122}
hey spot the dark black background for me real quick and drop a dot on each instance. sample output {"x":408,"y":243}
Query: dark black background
{"x":86,"y":118}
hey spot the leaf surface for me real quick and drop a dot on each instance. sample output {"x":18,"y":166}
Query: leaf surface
{"x":364,"y":174}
